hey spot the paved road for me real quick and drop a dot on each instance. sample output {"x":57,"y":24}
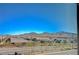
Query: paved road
{"x":69,"y":52}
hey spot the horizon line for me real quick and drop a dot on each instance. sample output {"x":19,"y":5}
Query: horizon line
{"x":19,"y":33}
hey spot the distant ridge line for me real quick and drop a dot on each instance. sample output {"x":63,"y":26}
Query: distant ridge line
{"x":34,"y":33}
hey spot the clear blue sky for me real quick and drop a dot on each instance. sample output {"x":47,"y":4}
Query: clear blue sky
{"x":22,"y":18}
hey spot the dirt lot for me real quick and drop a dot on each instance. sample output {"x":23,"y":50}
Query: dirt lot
{"x":35,"y":50}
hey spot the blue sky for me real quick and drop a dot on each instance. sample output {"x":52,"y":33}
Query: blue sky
{"x":23,"y":18}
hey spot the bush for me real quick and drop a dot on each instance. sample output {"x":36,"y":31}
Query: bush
{"x":42,"y":41}
{"x":67,"y":48}
{"x":34,"y":39}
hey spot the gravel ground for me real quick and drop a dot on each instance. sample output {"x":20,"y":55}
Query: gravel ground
{"x":29,"y":50}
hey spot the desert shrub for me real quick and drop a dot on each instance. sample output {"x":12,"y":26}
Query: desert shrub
{"x":18,"y":44}
{"x":42,"y":41}
{"x":65,"y":41}
{"x":34,"y":39}
{"x":13,"y":43}
{"x":8,"y":40}
{"x":67,"y":48}
{"x":24,"y":43}
{"x":29,"y":44}
{"x":28,"y":39}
